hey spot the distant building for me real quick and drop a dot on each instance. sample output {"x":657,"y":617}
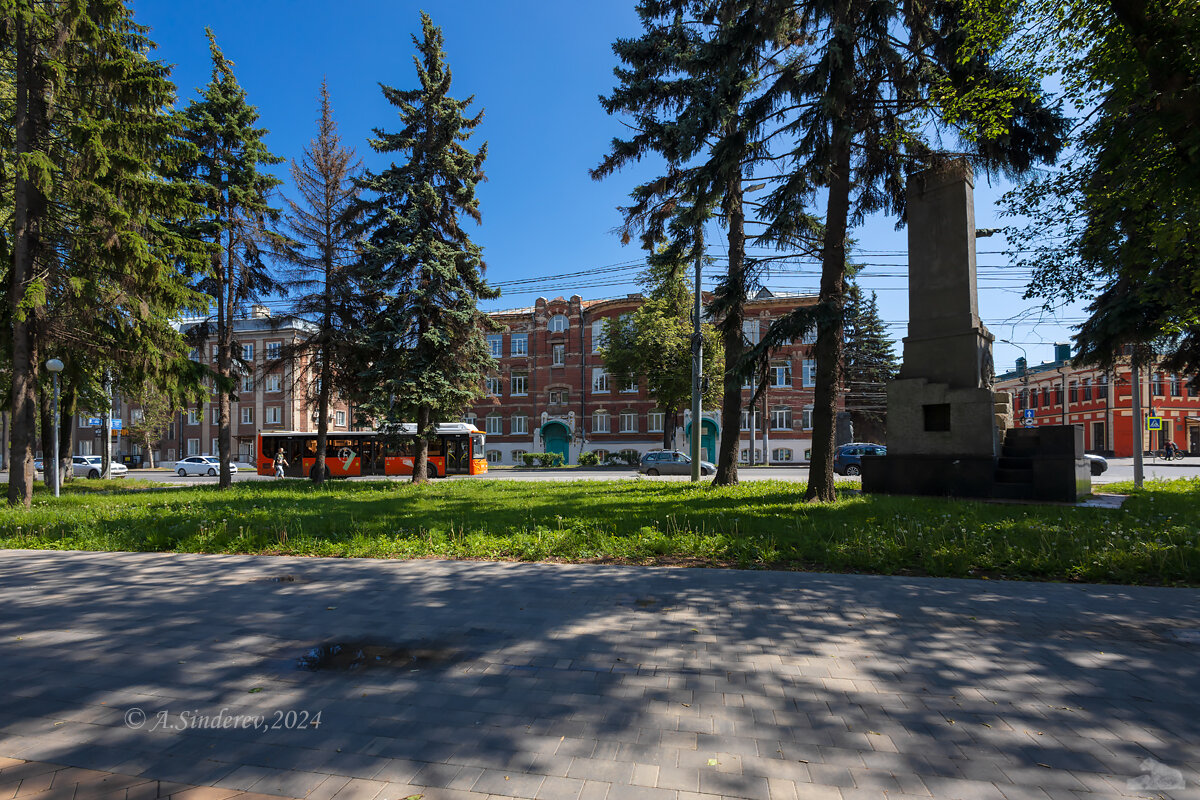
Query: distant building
{"x":552,"y":393}
{"x":1060,"y":393}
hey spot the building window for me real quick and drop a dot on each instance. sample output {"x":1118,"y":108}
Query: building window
{"x":600,"y":422}
{"x":136,"y":416}
{"x":628,"y":422}
{"x":1102,"y":387}
{"x":1175,"y":386}
{"x":248,"y":382}
{"x":598,"y":338}
{"x":631,"y":456}
{"x":782,"y":374}
{"x":599,"y":380}
{"x":470,"y":418}
{"x":247,"y":415}
{"x":558,"y":355}
{"x":519,"y":343}
{"x":1087,"y":388}
{"x":495,"y":424}
{"x":559,"y":397}
{"x":193,"y":355}
{"x":518,"y":455}
{"x":781,"y":454}
{"x":216,"y":351}
{"x":746,"y":420}
{"x":520,"y":423}
{"x":274,"y":382}
{"x":519,"y":384}
{"x":750,"y":330}
{"x":193,"y":416}
{"x":808,"y":373}
{"x":215,"y":446}
{"x":193,"y":447}
{"x":806,"y":418}
{"x":1046,"y":395}
{"x":492,"y":385}
{"x":215,"y":414}
{"x":630,"y":386}
{"x":273,"y":415}
{"x":247,"y":352}
{"x":493,"y":456}
{"x":339,"y":419}
{"x":655,"y":421}
{"x":496,"y":344}
{"x":781,"y":418}
{"x":273,"y":350}
{"x":558,"y":323}
{"x":601,"y":455}
{"x":1156,"y":384}
{"x":1073,"y":393}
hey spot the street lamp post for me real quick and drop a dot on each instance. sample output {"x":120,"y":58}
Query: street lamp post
{"x":55,"y":366}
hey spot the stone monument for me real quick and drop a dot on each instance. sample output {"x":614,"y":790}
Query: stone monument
{"x":946,"y":428}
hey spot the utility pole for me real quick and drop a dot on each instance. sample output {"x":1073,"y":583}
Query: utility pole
{"x":106,"y":429}
{"x":1135,"y":381}
{"x":697,"y":360}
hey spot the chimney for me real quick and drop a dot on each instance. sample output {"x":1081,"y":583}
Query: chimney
{"x":1062,"y":352}
{"x":259,"y":311}
{"x":1021,"y":366}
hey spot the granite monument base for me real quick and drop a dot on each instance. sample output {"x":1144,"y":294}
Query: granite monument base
{"x":936,"y":475}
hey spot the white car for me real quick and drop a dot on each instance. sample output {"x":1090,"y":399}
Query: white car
{"x":90,"y":466}
{"x":201,"y":465}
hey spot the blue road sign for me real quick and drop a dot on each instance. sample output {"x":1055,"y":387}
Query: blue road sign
{"x":94,"y":422}
{"x":116,"y":424}
{"x":1027,"y":413}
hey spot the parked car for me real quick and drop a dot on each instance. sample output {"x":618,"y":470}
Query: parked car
{"x":89,"y":467}
{"x":37,"y":465}
{"x":202,"y":465}
{"x":847,"y":459}
{"x":1098,"y":463}
{"x":672,"y":462}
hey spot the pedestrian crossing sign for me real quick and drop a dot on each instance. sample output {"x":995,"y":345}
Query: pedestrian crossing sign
{"x":1154,"y":423}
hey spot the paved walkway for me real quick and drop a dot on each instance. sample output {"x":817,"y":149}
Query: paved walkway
{"x":545,"y":681}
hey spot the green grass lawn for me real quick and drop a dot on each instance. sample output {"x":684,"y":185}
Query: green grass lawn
{"x":1154,"y":539}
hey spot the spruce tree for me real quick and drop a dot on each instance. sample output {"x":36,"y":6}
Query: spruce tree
{"x":226,"y":173}
{"x":321,"y":245}
{"x":870,"y":364}
{"x":421,"y":276}
{"x":96,"y":273}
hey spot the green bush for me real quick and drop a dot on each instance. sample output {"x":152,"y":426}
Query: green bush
{"x":589,"y":459}
{"x":543,"y":459}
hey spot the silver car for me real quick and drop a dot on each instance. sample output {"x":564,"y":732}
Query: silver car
{"x":672,"y":462}
{"x":90,"y":466}
{"x":201,"y":465}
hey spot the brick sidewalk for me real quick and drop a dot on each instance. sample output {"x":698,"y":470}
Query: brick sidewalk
{"x":40,"y":781}
{"x":569,"y":681}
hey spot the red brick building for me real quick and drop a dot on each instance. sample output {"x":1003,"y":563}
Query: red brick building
{"x":552,"y":394}
{"x":1060,"y":393}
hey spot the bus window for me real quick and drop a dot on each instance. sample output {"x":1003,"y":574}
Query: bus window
{"x":477,"y":445}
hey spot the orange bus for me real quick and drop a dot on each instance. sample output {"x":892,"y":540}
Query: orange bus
{"x":455,"y":448}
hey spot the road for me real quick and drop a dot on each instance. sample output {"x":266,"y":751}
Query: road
{"x":1120,"y":469}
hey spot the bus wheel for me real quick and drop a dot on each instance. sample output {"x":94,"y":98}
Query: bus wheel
{"x":431,"y":470}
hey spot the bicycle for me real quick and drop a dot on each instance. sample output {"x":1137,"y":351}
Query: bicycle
{"x":1174,"y":455}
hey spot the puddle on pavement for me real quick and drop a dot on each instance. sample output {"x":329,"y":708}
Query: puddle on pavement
{"x":361,"y":656}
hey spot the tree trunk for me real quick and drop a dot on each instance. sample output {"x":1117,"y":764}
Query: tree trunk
{"x":28,"y":210}
{"x":318,"y":476}
{"x":67,"y":403}
{"x":829,"y":331}
{"x":224,"y":357}
{"x":731,"y":337}
{"x":46,"y":431}
{"x":672,"y":419}
{"x":421,"y":446}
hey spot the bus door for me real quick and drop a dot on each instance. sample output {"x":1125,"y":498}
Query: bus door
{"x":300,"y":449}
{"x":458,"y":461}
{"x":371,"y":455}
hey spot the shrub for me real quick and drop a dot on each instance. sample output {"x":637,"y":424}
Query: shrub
{"x":589,"y":459}
{"x":542,"y":459}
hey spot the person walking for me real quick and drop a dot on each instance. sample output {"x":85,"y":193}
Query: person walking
{"x":281,"y":463}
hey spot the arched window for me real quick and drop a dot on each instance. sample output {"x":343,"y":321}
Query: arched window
{"x":493,"y":456}
{"x":559,"y":323}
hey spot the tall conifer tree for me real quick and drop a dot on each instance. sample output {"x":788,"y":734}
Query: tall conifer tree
{"x":870,"y":364}
{"x":227,"y":175}
{"x":421,"y":276}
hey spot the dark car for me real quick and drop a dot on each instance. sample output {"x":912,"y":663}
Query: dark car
{"x":1098,"y":463}
{"x":848,"y":458}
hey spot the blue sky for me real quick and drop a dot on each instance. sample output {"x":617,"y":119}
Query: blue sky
{"x":536,"y":68}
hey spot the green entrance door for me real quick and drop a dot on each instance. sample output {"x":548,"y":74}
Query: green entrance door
{"x":557,"y":439}
{"x":708,"y":440}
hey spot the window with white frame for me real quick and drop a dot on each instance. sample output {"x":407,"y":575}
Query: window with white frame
{"x":519,"y":384}
{"x":520,"y":423}
{"x":339,"y":418}
{"x":781,"y":418}
{"x":1175,"y":392}
{"x":806,"y":418}
{"x":630,"y":387}
{"x":493,"y":456}
{"x":655,"y":421}
{"x":599,"y":380}
{"x":559,"y":323}
{"x":808,"y":373}
{"x":495,"y":424}
{"x":136,"y":416}
{"x":559,"y":397}
{"x":781,"y":454}
{"x":757,"y":419}
{"x":470,"y":417}
{"x":601,"y":455}
{"x":750,"y":330}
{"x":193,"y":416}
{"x":519,"y":344}
{"x":273,"y":349}
{"x":193,"y":447}
{"x":781,"y":374}
{"x":216,"y":351}
{"x":496,"y":344}
{"x":810,"y":336}
{"x":247,"y":415}
{"x":215,"y":446}
{"x":273,"y":415}
{"x":194,"y":354}
{"x":518,"y":455}
{"x":600,"y":422}
{"x":598,"y":340}
{"x":215,"y":415}
{"x":248,"y":382}
{"x":558,"y":355}
{"x":492,"y":385}
{"x":629,"y":422}
{"x":274,"y":382}
{"x":248,"y":352}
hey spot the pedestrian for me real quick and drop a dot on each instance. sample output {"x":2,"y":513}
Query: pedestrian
{"x":280,"y":463}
